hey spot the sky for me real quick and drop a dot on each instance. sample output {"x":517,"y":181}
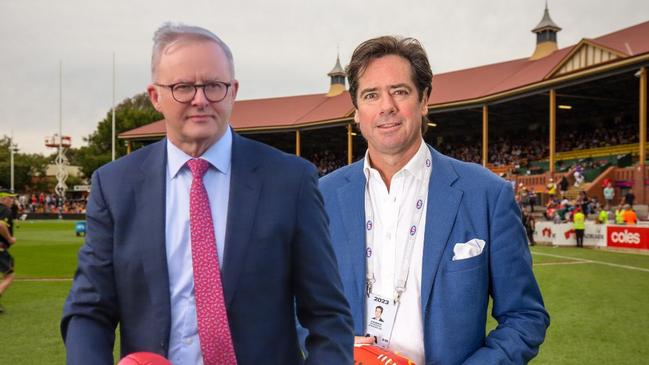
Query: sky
{"x":281,"y":47}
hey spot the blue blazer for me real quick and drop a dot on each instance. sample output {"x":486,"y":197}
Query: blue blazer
{"x":278,"y":261}
{"x":465,"y":201}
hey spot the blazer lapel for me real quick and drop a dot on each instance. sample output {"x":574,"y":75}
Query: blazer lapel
{"x":443,"y":204}
{"x":150,"y":195}
{"x":245,"y":186}
{"x":352,"y":209}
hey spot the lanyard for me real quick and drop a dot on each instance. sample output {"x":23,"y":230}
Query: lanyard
{"x":419,"y":203}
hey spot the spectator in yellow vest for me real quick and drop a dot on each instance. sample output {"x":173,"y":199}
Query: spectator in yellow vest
{"x":619,"y":218}
{"x":602,"y":217}
{"x":579,"y":224}
{"x":552,"y":188}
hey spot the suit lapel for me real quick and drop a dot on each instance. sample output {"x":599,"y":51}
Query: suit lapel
{"x":245,"y":186}
{"x":150,"y":196}
{"x":352,"y":209}
{"x":443,"y":204}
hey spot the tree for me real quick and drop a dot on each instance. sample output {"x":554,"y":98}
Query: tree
{"x":26,"y":167}
{"x":130,"y":113}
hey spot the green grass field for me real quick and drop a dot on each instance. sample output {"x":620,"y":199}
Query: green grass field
{"x":598,"y":300}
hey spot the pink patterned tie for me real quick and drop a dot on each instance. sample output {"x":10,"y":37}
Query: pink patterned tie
{"x":213,"y":328}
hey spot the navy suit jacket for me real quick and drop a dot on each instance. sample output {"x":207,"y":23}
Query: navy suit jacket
{"x":278,"y":261}
{"x":465,"y":201}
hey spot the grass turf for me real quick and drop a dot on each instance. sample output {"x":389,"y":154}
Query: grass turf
{"x":598,"y":311}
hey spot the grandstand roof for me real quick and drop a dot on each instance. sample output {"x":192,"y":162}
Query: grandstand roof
{"x":290,"y":111}
{"x":462,"y":86}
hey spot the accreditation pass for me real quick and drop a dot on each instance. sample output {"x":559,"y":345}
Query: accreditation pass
{"x":381,"y":312}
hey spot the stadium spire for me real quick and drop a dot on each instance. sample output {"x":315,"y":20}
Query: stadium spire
{"x":546,"y":36}
{"x":337,"y":75}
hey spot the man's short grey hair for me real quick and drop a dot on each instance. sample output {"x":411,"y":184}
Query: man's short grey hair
{"x":169,"y":33}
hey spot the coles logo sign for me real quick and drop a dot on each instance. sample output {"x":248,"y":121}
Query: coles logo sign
{"x":625,"y":237}
{"x":630,"y":237}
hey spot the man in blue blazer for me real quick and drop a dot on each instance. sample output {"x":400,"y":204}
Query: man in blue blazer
{"x":270,"y":229}
{"x":431,"y":236}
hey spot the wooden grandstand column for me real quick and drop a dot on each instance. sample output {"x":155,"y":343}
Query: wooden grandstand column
{"x":129,"y":147}
{"x":643,"y":115}
{"x":485,"y":135}
{"x":553,"y":130}
{"x":298,"y":147}
{"x":350,"y":141}
{"x":640,"y":175}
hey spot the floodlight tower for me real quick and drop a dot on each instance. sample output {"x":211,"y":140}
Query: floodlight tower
{"x":13,"y":148}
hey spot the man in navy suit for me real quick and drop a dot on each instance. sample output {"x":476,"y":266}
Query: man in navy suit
{"x":270,"y":229}
{"x":431,"y":237}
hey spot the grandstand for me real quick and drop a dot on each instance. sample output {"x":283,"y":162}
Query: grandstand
{"x":530,"y":119}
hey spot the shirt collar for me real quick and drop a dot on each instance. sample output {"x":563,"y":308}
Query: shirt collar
{"x":415,"y":166}
{"x":218,"y":155}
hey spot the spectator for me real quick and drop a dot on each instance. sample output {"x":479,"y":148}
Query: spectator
{"x":579,"y":224}
{"x":531,"y":200}
{"x":602,"y":217}
{"x":619,"y":215}
{"x":579,"y":177}
{"x":609,"y":194}
{"x":529,"y":222}
{"x":552,"y":188}
{"x":629,"y":198}
{"x":563,"y":185}
{"x":583,"y":202}
{"x":523,"y":196}
{"x":629,"y":216}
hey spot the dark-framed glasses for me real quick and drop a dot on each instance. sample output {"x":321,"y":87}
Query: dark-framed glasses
{"x":214,"y":91}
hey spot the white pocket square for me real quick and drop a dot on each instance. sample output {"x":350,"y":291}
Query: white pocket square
{"x":472,"y":248}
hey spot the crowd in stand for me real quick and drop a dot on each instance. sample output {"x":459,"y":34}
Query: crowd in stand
{"x":563,"y":210}
{"x":560,"y":209}
{"x":601,"y":137}
{"x":517,"y":149}
{"x":327,"y":161}
{"x":48,"y":203}
{"x":504,"y":151}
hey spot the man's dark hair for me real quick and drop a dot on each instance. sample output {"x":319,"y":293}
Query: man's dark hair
{"x":379,"y":307}
{"x":408,"y":48}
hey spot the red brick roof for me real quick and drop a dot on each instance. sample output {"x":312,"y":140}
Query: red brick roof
{"x":456,"y":86}
{"x":481,"y":81}
{"x":631,"y":41}
{"x":154,"y":129}
{"x":289,"y":111}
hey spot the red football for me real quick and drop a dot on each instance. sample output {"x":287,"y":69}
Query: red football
{"x":143,"y":358}
{"x":374,"y":355}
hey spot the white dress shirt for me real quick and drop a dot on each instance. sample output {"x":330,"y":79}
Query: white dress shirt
{"x":393,"y":213}
{"x":184,"y":346}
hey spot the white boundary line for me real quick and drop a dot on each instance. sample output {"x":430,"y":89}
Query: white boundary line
{"x":564,"y":263}
{"x":593,"y":261}
{"x":43,"y":279}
